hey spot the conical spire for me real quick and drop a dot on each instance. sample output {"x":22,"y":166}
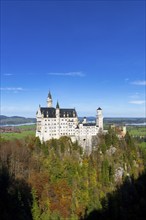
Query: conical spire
{"x":57,"y":105}
{"x":49,"y":100}
{"x":49,"y":95}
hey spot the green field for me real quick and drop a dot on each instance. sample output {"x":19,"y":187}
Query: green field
{"x":137,"y":131}
{"x":25,"y":131}
{"x":139,"y":134}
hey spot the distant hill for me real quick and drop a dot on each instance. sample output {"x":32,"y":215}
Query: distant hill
{"x":121,"y":121}
{"x":13,"y":120}
{"x":124,"y":120}
{"x":90,"y":118}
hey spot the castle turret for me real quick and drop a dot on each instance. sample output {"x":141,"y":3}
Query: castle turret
{"x":57,"y":105}
{"x":49,"y":100}
{"x":124,"y":130}
{"x":57,"y":120}
{"x":84,"y":120}
{"x":99,"y":118}
{"x":39,"y":123}
{"x":57,"y":110}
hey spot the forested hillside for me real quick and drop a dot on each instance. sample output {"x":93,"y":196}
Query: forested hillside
{"x":4,"y":120}
{"x":57,"y":180}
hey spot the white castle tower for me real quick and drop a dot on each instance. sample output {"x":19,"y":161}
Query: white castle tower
{"x":57,"y":120}
{"x":99,"y":118}
{"x":49,"y":100}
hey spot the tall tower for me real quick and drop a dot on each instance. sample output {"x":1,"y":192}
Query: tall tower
{"x":99,"y":118}
{"x":57,"y":110}
{"x":49,"y":100}
{"x":57,"y":120}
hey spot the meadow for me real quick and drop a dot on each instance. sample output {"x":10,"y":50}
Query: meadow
{"x":137,"y":131}
{"x":25,"y":131}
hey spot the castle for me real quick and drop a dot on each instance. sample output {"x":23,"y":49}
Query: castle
{"x":56,"y":122}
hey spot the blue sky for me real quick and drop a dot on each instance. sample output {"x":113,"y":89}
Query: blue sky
{"x":87,"y":53}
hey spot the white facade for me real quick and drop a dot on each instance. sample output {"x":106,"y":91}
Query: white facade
{"x":56,"y":122}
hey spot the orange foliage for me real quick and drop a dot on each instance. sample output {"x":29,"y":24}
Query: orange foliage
{"x":39,"y":181}
{"x":61,"y":198}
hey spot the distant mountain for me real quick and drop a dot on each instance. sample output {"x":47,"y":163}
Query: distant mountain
{"x":5,"y":120}
{"x":3,"y":117}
